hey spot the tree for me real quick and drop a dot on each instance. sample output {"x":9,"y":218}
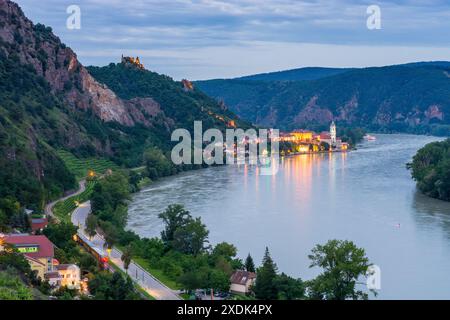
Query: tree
{"x":324,"y":146}
{"x":107,"y":286}
{"x":249,"y":264}
{"x":110,"y":192}
{"x":192,"y":280}
{"x":226,"y":250}
{"x":61,"y":234}
{"x":265,"y":286}
{"x":174,"y":217}
{"x":289,"y":288}
{"x":191,"y":238}
{"x":157,"y":164}
{"x":91,"y":226}
{"x":431,"y":169}
{"x":110,"y":241}
{"x":224,"y":265}
{"x":126,"y":257}
{"x":219,"y":281}
{"x":342,"y":263}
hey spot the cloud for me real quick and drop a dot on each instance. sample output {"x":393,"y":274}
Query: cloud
{"x":175,"y":30}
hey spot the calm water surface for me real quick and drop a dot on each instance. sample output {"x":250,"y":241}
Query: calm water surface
{"x":366,"y":196}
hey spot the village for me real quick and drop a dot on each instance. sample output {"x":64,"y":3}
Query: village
{"x":307,"y":141}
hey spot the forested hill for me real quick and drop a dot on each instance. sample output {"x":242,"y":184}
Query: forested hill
{"x":309,"y":73}
{"x":405,"y":98}
{"x":50,"y":103}
{"x":181,"y":102}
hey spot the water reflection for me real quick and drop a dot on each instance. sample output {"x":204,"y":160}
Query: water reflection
{"x":366,"y":196}
{"x":430,"y":213}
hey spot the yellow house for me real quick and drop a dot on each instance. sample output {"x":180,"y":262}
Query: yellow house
{"x":38,"y":250}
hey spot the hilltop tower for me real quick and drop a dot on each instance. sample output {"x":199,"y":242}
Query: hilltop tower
{"x":333,"y":134}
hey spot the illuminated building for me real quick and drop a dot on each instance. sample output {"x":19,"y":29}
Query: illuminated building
{"x":333,"y":134}
{"x":38,"y":250}
{"x":132,"y":61}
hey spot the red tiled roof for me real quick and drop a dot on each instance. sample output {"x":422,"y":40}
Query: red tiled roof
{"x":241,"y":277}
{"x":37,"y":224}
{"x":325,"y":136}
{"x":45,"y":247}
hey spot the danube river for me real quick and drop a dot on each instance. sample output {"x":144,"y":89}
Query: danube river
{"x":366,"y":196}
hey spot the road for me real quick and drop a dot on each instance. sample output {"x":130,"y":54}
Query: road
{"x":49,"y":207}
{"x":144,"y":279}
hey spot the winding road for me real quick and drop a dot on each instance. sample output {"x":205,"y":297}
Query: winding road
{"x":49,"y":207}
{"x":143,"y":278}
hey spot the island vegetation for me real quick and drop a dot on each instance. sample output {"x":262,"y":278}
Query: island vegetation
{"x":431,"y":169}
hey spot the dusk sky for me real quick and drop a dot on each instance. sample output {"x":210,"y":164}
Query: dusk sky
{"x":204,"y":39}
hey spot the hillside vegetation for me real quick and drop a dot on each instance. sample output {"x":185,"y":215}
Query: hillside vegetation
{"x":431,"y":169}
{"x":57,"y":122}
{"x":180,"y":105}
{"x":80,"y":167}
{"x":407,"y":98}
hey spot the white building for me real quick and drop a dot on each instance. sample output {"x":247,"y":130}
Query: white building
{"x":70,"y":275}
{"x":242,"y":281}
{"x":333,"y":134}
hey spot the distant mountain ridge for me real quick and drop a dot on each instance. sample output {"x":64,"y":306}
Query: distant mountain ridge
{"x":307,"y":73}
{"x":413,"y":97}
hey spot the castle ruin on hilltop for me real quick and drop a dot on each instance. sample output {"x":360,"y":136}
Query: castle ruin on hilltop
{"x":131,"y":61}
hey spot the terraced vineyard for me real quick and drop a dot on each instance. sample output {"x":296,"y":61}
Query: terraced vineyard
{"x":80,"y":167}
{"x":63,"y":209}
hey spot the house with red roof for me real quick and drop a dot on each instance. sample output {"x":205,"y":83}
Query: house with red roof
{"x":38,"y":250}
{"x":38,"y":224}
{"x":242,"y":281}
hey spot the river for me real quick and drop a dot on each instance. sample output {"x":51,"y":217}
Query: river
{"x":366,"y":196}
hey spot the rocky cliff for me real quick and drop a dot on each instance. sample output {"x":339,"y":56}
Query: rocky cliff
{"x":37,"y":46}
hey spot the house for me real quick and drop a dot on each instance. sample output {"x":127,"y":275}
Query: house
{"x":38,"y":250}
{"x":38,"y":224}
{"x":70,"y":275}
{"x":242,"y":281}
{"x":53,"y":278}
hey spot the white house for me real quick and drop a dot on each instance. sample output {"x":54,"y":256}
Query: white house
{"x":242,"y":281}
{"x":70,"y":275}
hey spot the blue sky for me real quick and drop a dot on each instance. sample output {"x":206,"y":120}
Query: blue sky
{"x":203,"y":39}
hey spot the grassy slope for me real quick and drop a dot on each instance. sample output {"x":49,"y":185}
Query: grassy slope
{"x":159,"y":274}
{"x":81,"y":166}
{"x":64,"y":209}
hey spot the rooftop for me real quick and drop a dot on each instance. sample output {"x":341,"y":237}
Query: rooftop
{"x":241,"y":277}
{"x":32,"y":246}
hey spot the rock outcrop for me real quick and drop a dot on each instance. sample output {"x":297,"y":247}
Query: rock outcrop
{"x":37,"y":46}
